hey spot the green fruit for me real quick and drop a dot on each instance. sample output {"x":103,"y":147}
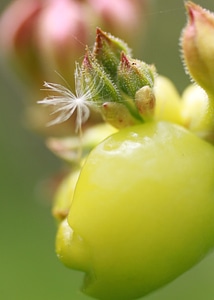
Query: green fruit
{"x":142,"y":211}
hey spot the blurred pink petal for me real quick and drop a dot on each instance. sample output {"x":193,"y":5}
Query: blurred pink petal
{"x":59,"y":24}
{"x":17,"y":23}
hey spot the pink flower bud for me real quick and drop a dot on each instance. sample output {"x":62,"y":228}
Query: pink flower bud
{"x":198,"y":45}
{"x":61,"y":36}
{"x":198,"y":51}
{"x":16,"y":24}
{"x":122,"y":17}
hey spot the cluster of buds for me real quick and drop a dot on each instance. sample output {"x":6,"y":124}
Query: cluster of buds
{"x":125,"y":93}
{"x":110,"y":81}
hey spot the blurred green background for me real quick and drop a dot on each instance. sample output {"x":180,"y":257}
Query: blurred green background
{"x":29,"y":268}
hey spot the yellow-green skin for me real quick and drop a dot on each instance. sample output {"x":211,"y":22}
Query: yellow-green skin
{"x":142,"y":212}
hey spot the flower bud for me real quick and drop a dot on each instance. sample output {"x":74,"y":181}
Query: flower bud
{"x":107,"y":51}
{"x":97,"y":80}
{"x":105,"y":93}
{"x":136,"y":80}
{"x":123,"y":18}
{"x":197,"y":42}
{"x":198,"y":52}
{"x":61,"y":34}
{"x":145,"y":102}
{"x":118,"y":115}
{"x":133,"y":74}
{"x":194,"y":109}
{"x":168,"y":101}
{"x":120,"y":84}
{"x":17,"y":23}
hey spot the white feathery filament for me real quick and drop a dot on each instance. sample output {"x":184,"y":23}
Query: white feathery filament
{"x":67,"y":102}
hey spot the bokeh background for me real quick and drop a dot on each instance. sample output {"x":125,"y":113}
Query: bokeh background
{"x":29,"y":269}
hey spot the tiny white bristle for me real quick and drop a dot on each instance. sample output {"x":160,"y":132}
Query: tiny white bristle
{"x":68,"y":102}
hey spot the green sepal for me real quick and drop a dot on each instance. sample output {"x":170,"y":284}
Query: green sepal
{"x":96,"y":77}
{"x":107,"y":51}
{"x":133,"y":74}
